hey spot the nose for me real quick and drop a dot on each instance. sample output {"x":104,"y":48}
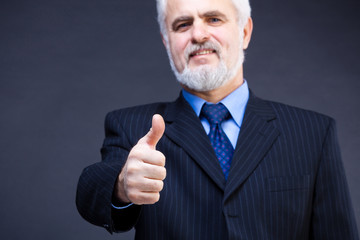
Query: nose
{"x":200,"y":33}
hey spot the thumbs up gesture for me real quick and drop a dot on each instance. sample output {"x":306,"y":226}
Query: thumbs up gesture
{"x":141,"y":179}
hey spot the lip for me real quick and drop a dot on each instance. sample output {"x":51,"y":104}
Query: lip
{"x":202,"y":52}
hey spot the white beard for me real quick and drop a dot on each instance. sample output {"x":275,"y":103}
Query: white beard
{"x":207,"y":78}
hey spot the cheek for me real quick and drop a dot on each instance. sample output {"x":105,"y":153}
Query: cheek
{"x":178,"y":47}
{"x":229,"y":40}
{"x":222,"y":37}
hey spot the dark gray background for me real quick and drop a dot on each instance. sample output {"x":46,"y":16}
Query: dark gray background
{"x":65,"y":63}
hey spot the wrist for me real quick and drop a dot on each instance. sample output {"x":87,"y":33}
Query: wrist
{"x":119,"y":197}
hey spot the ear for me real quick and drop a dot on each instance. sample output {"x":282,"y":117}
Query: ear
{"x":163,"y":40}
{"x":247,"y":33}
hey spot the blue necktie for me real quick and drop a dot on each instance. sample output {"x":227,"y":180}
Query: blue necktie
{"x":216,"y":114}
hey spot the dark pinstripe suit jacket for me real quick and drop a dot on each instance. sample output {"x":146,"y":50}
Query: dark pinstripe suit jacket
{"x":286,"y":180}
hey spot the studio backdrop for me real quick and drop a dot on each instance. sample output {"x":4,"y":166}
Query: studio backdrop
{"x":65,"y":64}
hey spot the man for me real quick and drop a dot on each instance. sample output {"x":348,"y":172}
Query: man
{"x":261,"y":170}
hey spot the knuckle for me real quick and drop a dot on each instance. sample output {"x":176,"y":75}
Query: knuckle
{"x":149,"y":198}
{"x":160,"y":173}
{"x":157,"y":158}
{"x":132,"y":196}
{"x":158,"y":186}
{"x":152,"y":198}
{"x":163,"y":173}
{"x":150,"y":186}
{"x":135,"y":152}
{"x":131,"y":170}
{"x":156,"y":197}
{"x":143,"y":199}
{"x":153,"y":186}
{"x":161,"y":159}
{"x":161,"y":185}
{"x":130,"y":184}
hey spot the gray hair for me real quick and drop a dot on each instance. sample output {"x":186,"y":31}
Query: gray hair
{"x":242,"y":6}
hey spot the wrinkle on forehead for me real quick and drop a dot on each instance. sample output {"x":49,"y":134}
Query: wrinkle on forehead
{"x":179,"y":8}
{"x":208,"y":14}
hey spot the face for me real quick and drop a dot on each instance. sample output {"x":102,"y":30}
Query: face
{"x":203,"y":38}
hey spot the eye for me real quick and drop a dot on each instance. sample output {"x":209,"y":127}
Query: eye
{"x":182,"y":26}
{"x":214,"y":20}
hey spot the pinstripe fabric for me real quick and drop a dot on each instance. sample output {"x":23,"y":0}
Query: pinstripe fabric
{"x":286,"y":180}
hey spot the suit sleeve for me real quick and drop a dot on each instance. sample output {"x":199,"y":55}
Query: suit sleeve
{"x":333,"y":216}
{"x":96,"y":183}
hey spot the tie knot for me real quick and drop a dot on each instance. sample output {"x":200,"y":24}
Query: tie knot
{"x":215,"y":113}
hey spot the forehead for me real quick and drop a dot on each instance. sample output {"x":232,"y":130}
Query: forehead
{"x":176,"y":8}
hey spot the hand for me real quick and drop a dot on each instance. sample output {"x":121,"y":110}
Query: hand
{"x":141,"y":179}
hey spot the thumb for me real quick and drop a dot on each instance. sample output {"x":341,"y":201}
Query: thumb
{"x":156,"y":131}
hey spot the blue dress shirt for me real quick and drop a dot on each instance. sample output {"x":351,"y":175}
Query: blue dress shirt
{"x":235,"y":102}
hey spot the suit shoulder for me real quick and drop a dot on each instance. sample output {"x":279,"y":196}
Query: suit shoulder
{"x":286,"y":109}
{"x":296,"y":116}
{"x":133,"y":121}
{"x":139,"y":111}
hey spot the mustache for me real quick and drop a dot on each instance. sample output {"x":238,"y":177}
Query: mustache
{"x":197,"y":47}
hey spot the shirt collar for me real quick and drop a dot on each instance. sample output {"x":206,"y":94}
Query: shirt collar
{"x":235,"y":102}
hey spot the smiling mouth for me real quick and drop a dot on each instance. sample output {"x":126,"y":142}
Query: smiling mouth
{"x":202,"y":52}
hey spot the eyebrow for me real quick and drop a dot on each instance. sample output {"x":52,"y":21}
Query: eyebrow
{"x":214,"y":13}
{"x":209,"y":14}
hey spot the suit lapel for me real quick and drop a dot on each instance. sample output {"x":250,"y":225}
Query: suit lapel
{"x":256,"y":137}
{"x":184,"y":128}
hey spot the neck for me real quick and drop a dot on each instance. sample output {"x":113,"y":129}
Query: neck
{"x":218,"y":94}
